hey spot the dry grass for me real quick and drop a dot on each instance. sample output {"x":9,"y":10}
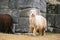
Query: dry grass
{"x":48,"y":36}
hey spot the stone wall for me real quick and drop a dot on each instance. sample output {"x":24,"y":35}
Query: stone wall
{"x":15,"y":8}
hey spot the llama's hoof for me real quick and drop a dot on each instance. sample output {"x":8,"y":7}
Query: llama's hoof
{"x":34,"y":34}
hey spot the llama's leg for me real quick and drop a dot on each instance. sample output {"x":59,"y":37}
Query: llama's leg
{"x":31,"y":29}
{"x":37,"y":32}
{"x":6,"y":30}
{"x":34,"y":32}
{"x":43,"y":31}
{"x":40,"y":31}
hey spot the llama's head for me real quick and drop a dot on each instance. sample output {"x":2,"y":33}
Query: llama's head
{"x":32,"y":15}
{"x":33,"y":12}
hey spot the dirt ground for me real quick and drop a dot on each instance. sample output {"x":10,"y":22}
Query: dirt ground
{"x":48,"y":36}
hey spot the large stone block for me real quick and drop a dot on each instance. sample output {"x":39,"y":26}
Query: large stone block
{"x":15,"y":15}
{"x":57,"y":20}
{"x":5,"y":11}
{"x":26,"y":12}
{"x":23,"y":25}
{"x":12,"y":4}
{"x":54,"y":21}
{"x":58,"y":9}
{"x":27,"y":3}
{"x":51,"y":19}
{"x":4,"y":3}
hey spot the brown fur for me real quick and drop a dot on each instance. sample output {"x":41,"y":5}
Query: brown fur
{"x":5,"y":23}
